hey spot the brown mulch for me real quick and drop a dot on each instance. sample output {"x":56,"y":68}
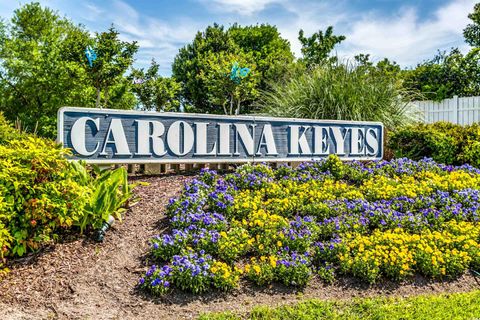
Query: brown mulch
{"x":82,"y":279}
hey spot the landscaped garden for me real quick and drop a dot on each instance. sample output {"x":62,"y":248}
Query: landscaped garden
{"x":325,"y":219}
{"x":397,"y":238}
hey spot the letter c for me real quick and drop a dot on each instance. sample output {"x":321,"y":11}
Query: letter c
{"x":78,"y":136}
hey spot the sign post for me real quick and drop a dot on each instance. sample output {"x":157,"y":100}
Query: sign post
{"x":119,"y":136}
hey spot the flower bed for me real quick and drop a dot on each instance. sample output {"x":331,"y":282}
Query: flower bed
{"x":381,"y":219}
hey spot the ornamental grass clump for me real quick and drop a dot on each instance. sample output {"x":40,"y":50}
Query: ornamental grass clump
{"x":377,"y":220}
{"x":341,"y":91}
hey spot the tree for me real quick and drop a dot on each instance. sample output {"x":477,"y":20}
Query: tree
{"x":114,"y":58}
{"x":155,"y":92}
{"x":471,"y":65}
{"x":40,"y":67}
{"x":444,"y":76}
{"x":188,"y":64}
{"x":222,"y":91}
{"x":316,"y":49}
{"x":383,"y":68}
{"x":268,"y":51}
{"x":472,"y":31}
{"x":271,"y":53}
{"x":43,"y":67}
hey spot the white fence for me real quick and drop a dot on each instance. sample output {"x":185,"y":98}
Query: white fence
{"x":457,"y":110}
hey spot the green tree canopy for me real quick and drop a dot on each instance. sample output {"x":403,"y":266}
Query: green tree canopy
{"x":40,"y":58}
{"x":446,"y":75}
{"x":472,"y":31}
{"x":155,"y":92}
{"x":316,"y":49}
{"x":114,"y":58}
{"x":224,"y":93}
{"x":268,"y":52}
{"x":43,"y":67}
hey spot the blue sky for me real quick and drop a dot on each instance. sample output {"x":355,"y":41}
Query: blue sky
{"x":405,"y":31}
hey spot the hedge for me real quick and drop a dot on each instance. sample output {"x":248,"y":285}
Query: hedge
{"x":442,"y":141}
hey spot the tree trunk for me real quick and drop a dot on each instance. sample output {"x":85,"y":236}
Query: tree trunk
{"x":237,"y":111}
{"x":97,"y":103}
{"x":231,"y":104}
{"x":105,"y":104}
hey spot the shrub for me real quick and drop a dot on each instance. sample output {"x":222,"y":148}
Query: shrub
{"x":442,"y":141}
{"x":110,"y":192}
{"x":39,"y":192}
{"x":43,"y":194}
{"x":7,"y":133}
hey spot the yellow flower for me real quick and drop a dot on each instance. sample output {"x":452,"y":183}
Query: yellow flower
{"x":273,"y":261}
{"x":257,"y":269}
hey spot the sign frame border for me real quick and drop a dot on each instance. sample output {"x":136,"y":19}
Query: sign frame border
{"x":60,"y":127}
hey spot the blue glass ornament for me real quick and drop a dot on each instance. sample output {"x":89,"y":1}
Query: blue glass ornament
{"x":237,"y":73}
{"x":91,"y":55}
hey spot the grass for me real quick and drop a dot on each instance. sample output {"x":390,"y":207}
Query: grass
{"x":342,"y":91}
{"x":446,"y":306}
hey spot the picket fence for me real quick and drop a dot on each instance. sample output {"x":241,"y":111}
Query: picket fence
{"x":458,"y":110}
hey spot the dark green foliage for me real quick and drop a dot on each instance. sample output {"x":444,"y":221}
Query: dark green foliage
{"x":316,"y":49}
{"x":39,"y":72}
{"x":444,"y":142}
{"x":155,"y":92}
{"x":270,"y":51}
{"x":472,"y":31}
{"x":114,"y":58}
{"x":446,"y":75}
{"x":43,"y":67}
{"x":261,"y":46}
{"x":419,"y":141}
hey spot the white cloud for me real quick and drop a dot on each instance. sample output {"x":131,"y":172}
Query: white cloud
{"x":242,"y":7}
{"x":405,"y":37}
{"x":156,"y":38}
{"x":312,"y":17}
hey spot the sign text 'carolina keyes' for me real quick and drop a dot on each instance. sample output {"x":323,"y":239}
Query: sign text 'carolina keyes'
{"x":117,"y":136}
